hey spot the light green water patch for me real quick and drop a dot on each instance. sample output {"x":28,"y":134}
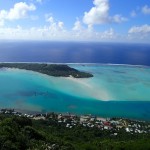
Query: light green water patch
{"x":120,"y":82}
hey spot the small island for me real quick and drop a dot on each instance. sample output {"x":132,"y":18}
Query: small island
{"x":57,"y":70}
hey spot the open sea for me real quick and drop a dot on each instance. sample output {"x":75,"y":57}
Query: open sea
{"x":114,"y":91}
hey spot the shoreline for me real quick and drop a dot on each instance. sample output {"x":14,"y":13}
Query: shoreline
{"x":32,"y":113}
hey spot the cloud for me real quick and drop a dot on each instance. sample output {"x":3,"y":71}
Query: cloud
{"x":61,"y":25}
{"x":19,"y":11}
{"x":81,"y":32}
{"x":56,"y":31}
{"x":1,"y":23}
{"x":146,"y":10}
{"x":140,"y":29}
{"x":139,"y":33}
{"x":77,"y":26}
{"x":118,"y":18}
{"x":99,"y":14}
{"x":49,"y":18}
{"x":54,"y":25}
{"x":108,"y":34}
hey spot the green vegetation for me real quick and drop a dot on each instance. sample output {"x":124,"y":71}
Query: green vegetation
{"x":49,"y":69}
{"x":27,"y":134}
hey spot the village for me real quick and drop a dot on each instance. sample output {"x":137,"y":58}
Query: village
{"x":70,"y":121}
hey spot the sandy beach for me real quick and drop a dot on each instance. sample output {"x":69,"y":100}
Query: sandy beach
{"x":87,"y":88}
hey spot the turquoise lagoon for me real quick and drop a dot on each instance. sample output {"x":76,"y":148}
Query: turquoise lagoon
{"x":114,"y":91}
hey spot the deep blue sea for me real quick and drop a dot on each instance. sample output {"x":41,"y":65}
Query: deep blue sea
{"x":73,"y":52}
{"x":114,"y":91}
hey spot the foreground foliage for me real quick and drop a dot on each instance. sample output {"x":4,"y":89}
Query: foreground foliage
{"x":21,"y":133}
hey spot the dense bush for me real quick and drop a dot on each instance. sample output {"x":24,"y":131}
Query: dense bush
{"x":21,"y":133}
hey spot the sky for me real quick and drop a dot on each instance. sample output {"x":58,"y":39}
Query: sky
{"x":76,"y":20}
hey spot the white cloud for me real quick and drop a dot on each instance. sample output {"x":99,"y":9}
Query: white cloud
{"x":88,"y":33}
{"x":56,"y":31}
{"x":140,"y":29}
{"x":77,"y":26}
{"x":91,"y":35}
{"x":54,"y":25}
{"x":1,"y":23}
{"x":49,"y":18}
{"x":99,"y":14}
{"x":139,"y":33}
{"x":108,"y":34}
{"x":3,"y":15}
{"x":61,"y":25}
{"x":118,"y":18}
{"x":146,"y":10}
{"x":19,"y":11}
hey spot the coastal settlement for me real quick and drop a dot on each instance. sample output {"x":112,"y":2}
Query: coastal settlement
{"x":112,"y":125}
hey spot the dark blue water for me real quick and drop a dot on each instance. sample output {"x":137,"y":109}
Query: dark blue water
{"x":73,"y":52}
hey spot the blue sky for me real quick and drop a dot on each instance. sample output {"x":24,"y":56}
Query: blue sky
{"x":76,"y":20}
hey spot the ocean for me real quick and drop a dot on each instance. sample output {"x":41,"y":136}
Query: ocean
{"x":114,"y":91}
{"x":73,"y":52}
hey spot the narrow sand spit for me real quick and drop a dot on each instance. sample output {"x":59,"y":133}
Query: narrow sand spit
{"x":86,"y":88}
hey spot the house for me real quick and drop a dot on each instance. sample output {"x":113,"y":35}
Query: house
{"x":84,"y":119}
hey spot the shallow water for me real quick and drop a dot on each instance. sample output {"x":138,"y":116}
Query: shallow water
{"x":114,"y":91}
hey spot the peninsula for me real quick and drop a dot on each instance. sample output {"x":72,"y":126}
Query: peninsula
{"x":57,"y":70}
